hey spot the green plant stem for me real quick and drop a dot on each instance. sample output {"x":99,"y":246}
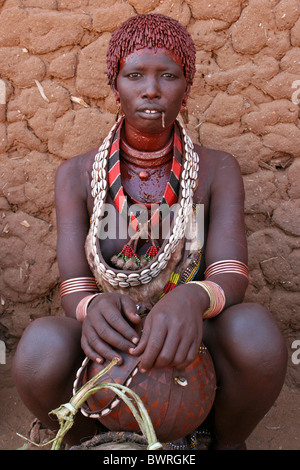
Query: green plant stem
{"x":66,"y":412}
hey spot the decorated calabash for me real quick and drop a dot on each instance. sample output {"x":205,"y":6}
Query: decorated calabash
{"x":177,"y":401}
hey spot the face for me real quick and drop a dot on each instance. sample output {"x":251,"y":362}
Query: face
{"x":151,"y":83}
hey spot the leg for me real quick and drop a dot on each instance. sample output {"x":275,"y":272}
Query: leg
{"x":44,"y":368}
{"x":250,"y":359}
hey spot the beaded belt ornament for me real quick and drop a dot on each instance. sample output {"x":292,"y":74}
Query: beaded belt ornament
{"x":99,"y":186}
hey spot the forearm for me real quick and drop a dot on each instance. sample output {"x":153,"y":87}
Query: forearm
{"x":70,"y":302}
{"x":73,"y":291}
{"x":233,"y":285}
{"x":223,"y":288}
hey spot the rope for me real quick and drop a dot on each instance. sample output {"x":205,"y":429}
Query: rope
{"x":112,"y":436}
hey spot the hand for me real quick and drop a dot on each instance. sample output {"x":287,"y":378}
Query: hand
{"x":107,"y":327}
{"x":172,"y":332}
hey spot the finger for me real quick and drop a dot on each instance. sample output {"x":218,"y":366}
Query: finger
{"x":185,"y":357}
{"x":112,"y":314}
{"x":140,"y":348}
{"x":116,"y":321}
{"x":101,"y":352}
{"x":129,"y":309}
{"x":154,"y":345}
{"x":95,"y":345}
{"x":90,"y":353}
{"x":113,"y":332}
{"x":167,"y":354}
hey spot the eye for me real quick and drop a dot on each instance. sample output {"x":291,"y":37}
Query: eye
{"x":169,"y":75}
{"x":134,"y":75}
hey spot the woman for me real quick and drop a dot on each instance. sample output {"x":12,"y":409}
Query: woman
{"x":151,"y":65}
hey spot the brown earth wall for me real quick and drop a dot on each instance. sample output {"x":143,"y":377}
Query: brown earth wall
{"x":55,"y":103}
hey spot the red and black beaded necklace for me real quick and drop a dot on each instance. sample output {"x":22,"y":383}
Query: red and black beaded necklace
{"x":117,"y":193}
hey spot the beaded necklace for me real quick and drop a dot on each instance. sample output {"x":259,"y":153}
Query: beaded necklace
{"x":99,"y":184}
{"x":127,"y":257}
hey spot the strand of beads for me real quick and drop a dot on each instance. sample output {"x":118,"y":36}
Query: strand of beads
{"x":99,"y":189}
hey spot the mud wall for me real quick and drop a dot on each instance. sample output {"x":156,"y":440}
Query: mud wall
{"x":55,"y":103}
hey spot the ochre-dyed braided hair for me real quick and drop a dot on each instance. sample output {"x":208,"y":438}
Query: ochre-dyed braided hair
{"x":153,"y":31}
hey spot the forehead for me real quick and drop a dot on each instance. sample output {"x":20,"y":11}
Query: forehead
{"x":146,"y":56}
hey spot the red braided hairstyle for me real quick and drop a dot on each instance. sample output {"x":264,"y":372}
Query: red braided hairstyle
{"x":152,"y":31}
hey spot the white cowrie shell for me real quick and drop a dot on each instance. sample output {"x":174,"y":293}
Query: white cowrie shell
{"x":115,"y":403}
{"x":123,"y":284}
{"x":133,"y":276}
{"x":122,"y":276}
{"x":181,"y":381}
{"x":128,"y":381}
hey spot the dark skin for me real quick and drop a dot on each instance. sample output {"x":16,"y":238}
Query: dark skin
{"x":246,"y":345}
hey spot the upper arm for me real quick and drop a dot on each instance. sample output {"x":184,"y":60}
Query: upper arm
{"x":72,"y":221}
{"x":226,"y":234}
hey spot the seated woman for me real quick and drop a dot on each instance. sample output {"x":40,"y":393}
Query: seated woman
{"x":147,"y":158}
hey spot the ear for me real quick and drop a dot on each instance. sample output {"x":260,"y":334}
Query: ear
{"x":116,"y":93}
{"x":186,"y":95}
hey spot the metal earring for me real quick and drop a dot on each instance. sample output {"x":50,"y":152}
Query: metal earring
{"x":119,"y":111}
{"x":184,"y":113}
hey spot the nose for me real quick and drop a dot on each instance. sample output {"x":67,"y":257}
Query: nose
{"x":151,"y":89}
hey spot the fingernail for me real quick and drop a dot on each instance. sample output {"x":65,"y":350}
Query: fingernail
{"x":135,"y":340}
{"x":116,"y":358}
{"x":143,"y":371}
{"x":99,"y":360}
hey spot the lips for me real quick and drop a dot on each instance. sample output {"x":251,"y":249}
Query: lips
{"x":149,"y":112}
{"x":151,"y":107}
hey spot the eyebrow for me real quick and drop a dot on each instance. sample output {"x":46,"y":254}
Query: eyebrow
{"x":171,"y":67}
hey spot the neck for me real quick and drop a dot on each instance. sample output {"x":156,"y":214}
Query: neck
{"x":146,"y":142}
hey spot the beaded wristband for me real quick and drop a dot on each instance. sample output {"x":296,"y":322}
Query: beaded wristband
{"x":216,"y":296}
{"x":227,"y":266}
{"x":81,"y":309}
{"x":78,"y":284}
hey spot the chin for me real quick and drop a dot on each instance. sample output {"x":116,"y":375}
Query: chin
{"x":150,"y":126}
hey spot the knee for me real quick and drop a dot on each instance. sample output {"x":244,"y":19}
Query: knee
{"x":253,"y":342}
{"x":44,"y":343}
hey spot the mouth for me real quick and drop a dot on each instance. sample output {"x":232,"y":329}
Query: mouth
{"x":148,"y":113}
{"x":151,"y":111}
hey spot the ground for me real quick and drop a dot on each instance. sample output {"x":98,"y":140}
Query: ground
{"x":279,"y":430}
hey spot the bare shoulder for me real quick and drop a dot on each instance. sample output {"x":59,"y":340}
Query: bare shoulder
{"x":217,"y":160}
{"x":74,"y":174}
{"x":218,"y":167}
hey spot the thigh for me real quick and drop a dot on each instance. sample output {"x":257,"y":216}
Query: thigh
{"x":245,"y":338}
{"x":250,"y":358}
{"x":48,"y":353}
{"x":44,"y":369}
